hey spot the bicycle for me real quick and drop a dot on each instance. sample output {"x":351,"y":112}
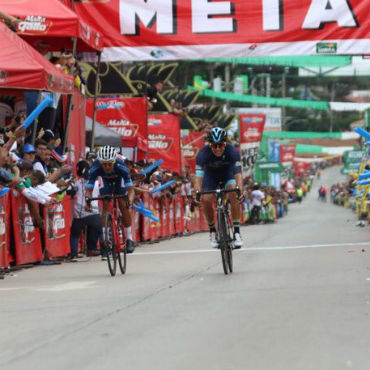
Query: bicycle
{"x":224,"y":232}
{"x":114,"y":243}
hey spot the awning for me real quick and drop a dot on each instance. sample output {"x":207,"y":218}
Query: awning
{"x":51,"y":25}
{"x":22,"y":67}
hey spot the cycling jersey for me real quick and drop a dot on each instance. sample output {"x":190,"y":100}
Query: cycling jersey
{"x":215,"y":169}
{"x":114,"y":182}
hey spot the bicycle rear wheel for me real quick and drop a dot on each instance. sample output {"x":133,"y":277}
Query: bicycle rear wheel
{"x":222,"y":239}
{"x":229,"y":248}
{"x":122,"y":250}
{"x":110,"y":244}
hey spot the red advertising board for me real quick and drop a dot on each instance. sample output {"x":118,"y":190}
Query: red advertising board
{"x":57,"y":229}
{"x":300,"y":168}
{"x":164,"y":140}
{"x":287,"y":153}
{"x":4,"y":230}
{"x":26,"y":236}
{"x":191,"y":144}
{"x":251,"y":131}
{"x":126,"y":116}
{"x":168,"y":29}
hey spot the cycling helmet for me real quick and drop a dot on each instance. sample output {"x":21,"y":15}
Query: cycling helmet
{"x":107,"y":154}
{"x":217,"y":135}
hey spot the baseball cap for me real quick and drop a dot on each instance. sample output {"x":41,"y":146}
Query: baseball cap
{"x":28,"y":148}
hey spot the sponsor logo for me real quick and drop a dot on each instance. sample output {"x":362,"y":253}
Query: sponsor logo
{"x":34,"y":24}
{"x":252,"y":133}
{"x":56,"y":222}
{"x":159,"y":143}
{"x":253,"y":47}
{"x":160,"y":53}
{"x":326,"y":48}
{"x":86,"y":31}
{"x":111,"y":104}
{"x":124,"y":127}
{"x":249,"y":120}
{"x":3,"y":76}
{"x":154,"y":122}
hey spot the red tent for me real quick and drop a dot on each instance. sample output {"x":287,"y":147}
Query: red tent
{"x":22,"y":67}
{"x":51,"y":24}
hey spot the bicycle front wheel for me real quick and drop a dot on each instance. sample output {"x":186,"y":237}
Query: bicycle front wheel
{"x":110,"y":244}
{"x":122,"y":250}
{"x":223,"y":240}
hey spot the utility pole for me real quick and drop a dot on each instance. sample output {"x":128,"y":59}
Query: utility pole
{"x":227,"y":83}
{"x":211,"y":79}
{"x":283,"y":95}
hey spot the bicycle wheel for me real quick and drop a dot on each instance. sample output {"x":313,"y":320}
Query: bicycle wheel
{"x":229,"y":248}
{"x":122,"y":250}
{"x":222,"y":240}
{"x":110,"y":244}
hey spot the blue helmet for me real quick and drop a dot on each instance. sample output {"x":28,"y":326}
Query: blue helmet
{"x":217,"y":135}
{"x":28,"y":148}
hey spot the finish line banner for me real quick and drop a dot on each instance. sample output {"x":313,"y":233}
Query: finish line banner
{"x":186,"y":29}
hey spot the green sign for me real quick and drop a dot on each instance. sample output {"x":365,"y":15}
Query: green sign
{"x":326,"y":48}
{"x":352,"y":161}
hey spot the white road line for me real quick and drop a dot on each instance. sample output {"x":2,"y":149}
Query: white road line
{"x":255,"y":249}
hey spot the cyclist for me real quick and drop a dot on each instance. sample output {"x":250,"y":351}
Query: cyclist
{"x":219,"y":162}
{"x":116,"y":180}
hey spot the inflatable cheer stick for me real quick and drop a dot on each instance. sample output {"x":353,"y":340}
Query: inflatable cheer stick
{"x":36,"y":112}
{"x":364,"y":176}
{"x":164,"y":186}
{"x":142,"y":205}
{"x":151,"y":167}
{"x":362,"y":132}
{"x":4,"y":191}
{"x":364,"y":182}
{"x":145,"y":213}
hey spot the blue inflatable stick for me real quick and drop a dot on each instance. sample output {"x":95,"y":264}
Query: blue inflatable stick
{"x":36,"y":112}
{"x":362,"y":132}
{"x":145,"y":213}
{"x":363,"y":182}
{"x":4,"y":191}
{"x":364,"y":176}
{"x":164,"y":186}
{"x":151,"y":167}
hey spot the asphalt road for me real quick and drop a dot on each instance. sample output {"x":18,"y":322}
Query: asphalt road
{"x":298,"y":299}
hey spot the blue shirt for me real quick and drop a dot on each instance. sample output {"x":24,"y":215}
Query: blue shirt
{"x":120,"y":171}
{"x":220,"y":167}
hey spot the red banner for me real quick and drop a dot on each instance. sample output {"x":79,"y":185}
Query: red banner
{"x":4,"y":230}
{"x":57,"y":229}
{"x":126,"y":116}
{"x":301,"y":168}
{"x":164,"y":140}
{"x":169,"y":29}
{"x":191,"y":144}
{"x":251,"y":131}
{"x":26,"y":236}
{"x":287,"y":153}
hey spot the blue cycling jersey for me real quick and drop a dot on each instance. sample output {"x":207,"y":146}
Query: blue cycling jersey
{"x":214,"y":169}
{"x":120,"y":172}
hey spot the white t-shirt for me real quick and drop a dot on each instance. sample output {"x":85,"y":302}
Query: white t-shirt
{"x":257,"y":197}
{"x":79,"y":209}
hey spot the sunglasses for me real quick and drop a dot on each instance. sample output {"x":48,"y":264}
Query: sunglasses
{"x":218,"y":145}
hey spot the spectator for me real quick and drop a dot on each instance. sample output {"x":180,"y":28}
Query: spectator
{"x":257,"y":196}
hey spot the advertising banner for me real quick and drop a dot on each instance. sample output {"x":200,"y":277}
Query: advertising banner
{"x":191,"y":144}
{"x":273,"y":117}
{"x":287,"y":153}
{"x":26,"y":235}
{"x":126,"y":116}
{"x":301,"y":168}
{"x":251,"y":130}
{"x":164,"y":140}
{"x":352,"y":161}
{"x":4,"y":230}
{"x":57,"y":229}
{"x":170,"y":29}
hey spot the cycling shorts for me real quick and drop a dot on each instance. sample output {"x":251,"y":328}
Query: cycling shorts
{"x":212,"y":182}
{"x":113,"y":187}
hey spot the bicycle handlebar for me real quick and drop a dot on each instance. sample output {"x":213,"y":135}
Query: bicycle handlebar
{"x":221,"y":191}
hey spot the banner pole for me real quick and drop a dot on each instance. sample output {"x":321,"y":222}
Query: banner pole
{"x":95,"y":99}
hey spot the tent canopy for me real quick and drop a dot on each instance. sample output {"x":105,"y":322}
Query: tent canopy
{"x":22,"y":67}
{"x":103,"y":135}
{"x":51,"y":25}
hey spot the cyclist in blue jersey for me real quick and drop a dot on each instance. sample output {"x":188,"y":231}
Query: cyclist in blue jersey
{"x":116,"y":180}
{"x":219,"y":162}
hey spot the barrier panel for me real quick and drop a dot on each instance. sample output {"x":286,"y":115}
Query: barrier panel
{"x":179,"y":215}
{"x":135,"y":217}
{"x":171,"y":217}
{"x":57,"y":229}
{"x":5,"y":231}
{"x":26,"y":236}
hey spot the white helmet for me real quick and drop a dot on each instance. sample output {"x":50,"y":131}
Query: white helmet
{"x":107,"y":154}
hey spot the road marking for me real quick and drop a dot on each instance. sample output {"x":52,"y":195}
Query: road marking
{"x":78,"y":285}
{"x":254,"y":249}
